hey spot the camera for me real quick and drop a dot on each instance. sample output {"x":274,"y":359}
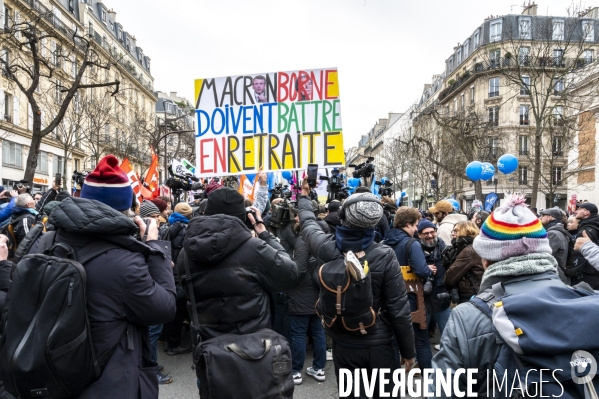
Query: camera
{"x":278,"y":191}
{"x":280,"y":214}
{"x":22,"y":184}
{"x":428,"y":286}
{"x":365,"y":169}
{"x":453,"y":295}
{"x":78,"y":178}
{"x":385,"y":190}
{"x":183,"y":182}
{"x":336,"y":188}
{"x":248,"y":223}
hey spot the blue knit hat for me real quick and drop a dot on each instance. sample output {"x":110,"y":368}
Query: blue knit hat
{"x":425,"y":224}
{"x":109,"y":184}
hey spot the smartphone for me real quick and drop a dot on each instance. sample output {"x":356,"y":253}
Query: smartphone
{"x":58,"y":179}
{"x":312,"y":174}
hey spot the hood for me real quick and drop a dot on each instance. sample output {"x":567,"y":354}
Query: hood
{"x":393,"y":236}
{"x":86,"y":216}
{"x":454,"y":218}
{"x":591,"y":220}
{"x":210,"y":239}
{"x":177,"y":217}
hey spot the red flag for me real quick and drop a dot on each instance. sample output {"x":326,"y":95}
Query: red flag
{"x":133,"y":178}
{"x":152,"y":178}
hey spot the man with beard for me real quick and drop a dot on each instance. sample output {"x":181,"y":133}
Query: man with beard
{"x":559,"y":239}
{"x":589,"y":223}
{"x":433,"y":248}
{"x":446,"y":218}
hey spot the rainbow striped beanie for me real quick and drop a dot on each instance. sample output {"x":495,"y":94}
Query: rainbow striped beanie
{"x":511,"y":230}
{"x":109,"y":184}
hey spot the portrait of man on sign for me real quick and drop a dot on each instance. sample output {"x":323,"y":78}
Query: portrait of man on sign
{"x":259,"y":86}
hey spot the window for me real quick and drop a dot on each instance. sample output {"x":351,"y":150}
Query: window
{"x":91,"y":29}
{"x":56,"y":54}
{"x":107,"y":134}
{"x":525,"y":88}
{"x":493,"y":87}
{"x":558,"y":115}
{"x":7,"y":15}
{"x":558,"y":86}
{"x":495,"y":31}
{"x":522,"y":175}
{"x":476,"y":40}
{"x":557,"y":175}
{"x":450,"y":63}
{"x":494,"y":58}
{"x":103,"y":15}
{"x":588,"y":56}
{"x":7,"y":107}
{"x":58,"y":164}
{"x":111,"y":26}
{"x":494,"y":116}
{"x":57,"y":91}
{"x":463,"y":101}
{"x":524,"y":27}
{"x":167,"y":107}
{"x":42,"y":162}
{"x":11,"y":154}
{"x":466,"y":48}
{"x":493,"y":146}
{"x":472,"y":95}
{"x":588,"y":31}
{"x":556,"y":146}
{"x":459,"y":57}
{"x":6,"y":61}
{"x":524,"y":56}
{"x":524,"y":115}
{"x":523,"y":145}
{"x":558,"y":29}
{"x":74,"y":67}
{"x":558,"y":57}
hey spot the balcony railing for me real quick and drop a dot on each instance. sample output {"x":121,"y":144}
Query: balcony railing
{"x":511,"y":62}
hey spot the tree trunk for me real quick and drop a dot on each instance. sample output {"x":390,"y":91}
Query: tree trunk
{"x":536,"y":175}
{"x":478,"y":190}
{"x":34,"y":149}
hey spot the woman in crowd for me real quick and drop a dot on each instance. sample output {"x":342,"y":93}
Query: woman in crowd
{"x":465,"y":266}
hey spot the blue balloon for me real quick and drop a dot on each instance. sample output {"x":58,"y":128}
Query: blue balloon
{"x":488,"y":171}
{"x":287,"y":175}
{"x":507,"y":163}
{"x":455,"y":204}
{"x":352,"y":184}
{"x":403,"y":194}
{"x":384,"y":180}
{"x":474,"y":170}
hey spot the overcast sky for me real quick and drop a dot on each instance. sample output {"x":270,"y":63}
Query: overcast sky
{"x":385,"y":50}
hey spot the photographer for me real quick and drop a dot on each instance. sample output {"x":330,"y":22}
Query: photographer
{"x":48,"y":196}
{"x":231,"y":268}
{"x":9,"y":197}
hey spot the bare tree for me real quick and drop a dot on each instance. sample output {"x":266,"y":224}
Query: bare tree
{"x":97,"y":111}
{"x":42,"y":56}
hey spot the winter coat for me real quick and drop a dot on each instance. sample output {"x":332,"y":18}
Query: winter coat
{"x":5,"y":267}
{"x":302,"y":298}
{"x":433,"y":257}
{"x":128,"y":289}
{"x":468,"y":340}
{"x":48,"y":196}
{"x":232,"y":273}
{"x":7,"y":210}
{"x":559,"y":239}
{"x":591,"y":226}
{"x":388,"y":287}
{"x":22,"y":220}
{"x":445,"y":228}
{"x":466,"y":272}
{"x":381,"y":228}
{"x":287,"y":238}
{"x":176,"y":232}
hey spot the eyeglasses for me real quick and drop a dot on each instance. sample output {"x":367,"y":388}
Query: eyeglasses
{"x":454,"y":231}
{"x":430,"y":233}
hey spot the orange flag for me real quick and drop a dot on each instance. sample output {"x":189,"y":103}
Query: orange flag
{"x":133,"y":179}
{"x":152,"y":178}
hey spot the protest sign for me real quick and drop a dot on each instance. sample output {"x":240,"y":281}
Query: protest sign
{"x":280,"y":121}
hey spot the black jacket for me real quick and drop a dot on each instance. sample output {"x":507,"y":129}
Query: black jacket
{"x":131,"y":286}
{"x":433,"y":257}
{"x":22,"y":221}
{"x":591,"y":226}
{"x":232,"y":273}
{"x":302,"y":298}
{"x":333,"y":221}
{"x":177,"y":234}
{"x":388,"y":287}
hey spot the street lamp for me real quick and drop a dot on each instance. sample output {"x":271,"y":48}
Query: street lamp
{"x":167,"y":133}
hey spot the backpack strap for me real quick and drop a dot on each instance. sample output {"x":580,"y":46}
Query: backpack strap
{"x":482,"y":305}
{"x":196,"y":339}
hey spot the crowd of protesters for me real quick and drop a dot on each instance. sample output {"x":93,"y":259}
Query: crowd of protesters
{"x":248,"y":274}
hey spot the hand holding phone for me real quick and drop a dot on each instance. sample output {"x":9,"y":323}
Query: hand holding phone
{"x":312,"y":175}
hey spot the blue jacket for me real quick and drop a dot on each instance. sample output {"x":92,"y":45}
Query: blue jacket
{"x":398,"y":239}
{"x":5,"y":213}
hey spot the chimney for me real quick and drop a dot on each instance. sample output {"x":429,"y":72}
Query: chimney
{"x":530,"y":9}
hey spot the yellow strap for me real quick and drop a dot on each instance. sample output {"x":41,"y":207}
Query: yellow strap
{"x":408,"y":274}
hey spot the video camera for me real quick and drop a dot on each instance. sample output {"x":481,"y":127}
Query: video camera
{"x":385,"y":190}
{"x":336,"y":186}
{"x":179,"y":182}
{"x":281,"y":212}
{"x":20,"y":184}
{"x":279,"y":191}
{"x":78,"y":178}
{"x":364,"y":169}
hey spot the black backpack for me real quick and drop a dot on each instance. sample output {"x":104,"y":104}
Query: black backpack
{"x":46,"y":345}
{"x":343,"y":301}
{"x":577,"y":264}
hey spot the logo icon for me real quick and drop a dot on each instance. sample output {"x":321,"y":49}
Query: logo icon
{"x":584,"y":367}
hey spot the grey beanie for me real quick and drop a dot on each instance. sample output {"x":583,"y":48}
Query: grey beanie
{"x":362,"y":214}
{"x":148,"y":208}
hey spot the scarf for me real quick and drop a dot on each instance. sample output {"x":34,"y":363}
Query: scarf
{"x":177,"y":217}
{"x":353,"y":239}
{"x":18,"y":209}
{"x":533,"y":263}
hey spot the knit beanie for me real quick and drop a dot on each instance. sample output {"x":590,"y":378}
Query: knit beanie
{"x":108,"y":184}
{"x":225,"y":201}
{"x":184,"y":209}
{"x":362,"y":214}
{"x":511,"y":230}
{"x":160,"y":204}
{"x":334,"y":206}
{"x":210,"y":188}
{"x":425,"y":224}
{"x":147,"y":209}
